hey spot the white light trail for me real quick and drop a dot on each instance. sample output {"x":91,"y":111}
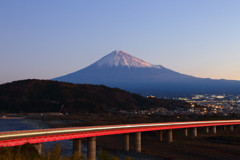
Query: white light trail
{"x":42,"y":133}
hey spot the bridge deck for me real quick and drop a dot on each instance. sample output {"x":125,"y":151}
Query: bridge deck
{"x":44,"y":135}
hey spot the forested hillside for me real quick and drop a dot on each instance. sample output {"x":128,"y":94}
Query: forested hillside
{"x":49,"y":96}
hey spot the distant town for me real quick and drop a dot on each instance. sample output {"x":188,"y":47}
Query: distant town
{"x":208,"y":104}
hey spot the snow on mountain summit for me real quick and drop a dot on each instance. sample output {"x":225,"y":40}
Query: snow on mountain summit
{"x":120,"y":58}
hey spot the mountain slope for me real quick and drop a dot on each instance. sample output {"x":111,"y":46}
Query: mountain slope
{"x":120,"y":69}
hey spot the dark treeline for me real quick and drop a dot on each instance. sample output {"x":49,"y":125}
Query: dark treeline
{"x":49,"y":96}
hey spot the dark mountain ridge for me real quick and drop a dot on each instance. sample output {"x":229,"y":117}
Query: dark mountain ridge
{"x":49,"y":96}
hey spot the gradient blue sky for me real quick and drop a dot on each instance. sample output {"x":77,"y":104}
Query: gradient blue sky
{"x":46,"y":39}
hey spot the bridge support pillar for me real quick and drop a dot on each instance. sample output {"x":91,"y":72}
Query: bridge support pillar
{"x":126,"y":142}
{"x":77,"y":146}
{"x":137,"y":141}
{"x":195,"y":131}
{"x":231,"y":127}
{"x":214,"y":129}
{"x":159,"y":136}
{"x":185,"y":131}
{"x":170,"y":137}
{"x":207,"y":129}
{"x":91,"y":148}
{"x":224,"y":128}
{"x":38,"y":146}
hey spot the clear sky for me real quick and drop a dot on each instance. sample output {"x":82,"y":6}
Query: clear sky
{"x":46,"y":39}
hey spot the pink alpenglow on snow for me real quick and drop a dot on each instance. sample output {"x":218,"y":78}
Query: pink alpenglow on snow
{"x":122,"y":58}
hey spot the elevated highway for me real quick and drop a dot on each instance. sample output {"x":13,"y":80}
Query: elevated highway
{"x":16,"y":138}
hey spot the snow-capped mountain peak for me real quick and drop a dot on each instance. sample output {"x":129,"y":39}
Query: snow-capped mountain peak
{"x":121,"y":58}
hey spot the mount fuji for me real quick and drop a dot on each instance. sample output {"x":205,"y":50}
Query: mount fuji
{"x":122,"y":70}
